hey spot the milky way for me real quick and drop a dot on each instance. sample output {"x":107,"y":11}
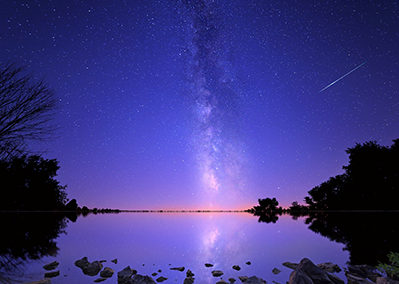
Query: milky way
{"x":217,"y":146}
{"x":200,"y":103}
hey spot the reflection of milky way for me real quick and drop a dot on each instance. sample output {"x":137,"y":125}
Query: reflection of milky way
{"x":215,"y":100}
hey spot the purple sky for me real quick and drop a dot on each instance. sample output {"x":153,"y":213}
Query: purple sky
{"x":207,"y":104}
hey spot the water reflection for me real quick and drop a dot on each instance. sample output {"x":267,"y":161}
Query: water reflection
{"x":28,"y":237}
{"x":368,"y":237}
{"x":191,"y":240}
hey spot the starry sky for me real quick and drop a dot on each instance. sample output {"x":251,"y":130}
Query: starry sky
{"x":207,"y":103}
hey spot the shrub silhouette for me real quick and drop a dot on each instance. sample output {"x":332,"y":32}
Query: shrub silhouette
{"x":28,"y":183}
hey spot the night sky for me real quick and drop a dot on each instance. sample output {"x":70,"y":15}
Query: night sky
{"x":207,"y":104}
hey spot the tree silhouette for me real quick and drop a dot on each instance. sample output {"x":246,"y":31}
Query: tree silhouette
{"x":28,"y":183}
{"x":370,"y":181}
{"x":26,"y":108}
{"x":267,"y":210}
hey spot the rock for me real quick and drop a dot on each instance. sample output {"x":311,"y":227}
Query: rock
{"x":88,"y":268}
{"x":290,"y":265}
{"x":355,"y":279}
{"x":154,"y":274}
{"x":188,"y":280}
{"x":335,"y":279}
{"x":222,"y":282}
{"x":141,"y":279}
{"x":93,"y":268}
{"x":208,"y":265}
{"x":161,"y":279}
{"x":177,"y":268}
{"x":276,"y":271}
{"x":364,"y":271}
{"x":383,"y":280}
{"x":329,"y":267}
{"x":307,"y":273}
{"x":248,"y":263}
{"x":115,"y":261}
{"x":236,"y":267}
{"x":107,"y":272}
{"x":100,"y":279}
{"x":82,"y":262}
{"x":243,"y":278}
{"x":299,"y":277}
{"x":44,"y":281}
{"x":51,"y":266}
{"x":254,"y":280}
{"x":232,"y":280}
{"x":217,"y":273}
{"x":189,"y":273}
{"x":102,"y":261}
{"x":126,"y":273}
{"x":159,"y":270}
{"x":51,"y":274}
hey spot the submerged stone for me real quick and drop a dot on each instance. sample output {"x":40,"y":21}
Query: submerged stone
{"x":141,"y":279}
{"x":93,"y":268}
{"x":236,"y":267}
{"x":255,"y":280}
{"x":82,"y":262}
{"x":161,"y":279}
{"x":51,"y":266}
{"x":107,"y":272}
{"x":52,"y":274}
{"x":217,"y":273}
{"x":276,"y":271}
{"x":208,"y":265}
{"x":126,"y":273}
{"x":188,"y":280}
{"x":177,"y":268}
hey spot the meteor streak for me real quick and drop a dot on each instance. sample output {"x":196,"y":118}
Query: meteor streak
{"x":340,"y":78}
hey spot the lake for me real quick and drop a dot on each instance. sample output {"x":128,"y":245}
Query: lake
{"x":149,"y":242}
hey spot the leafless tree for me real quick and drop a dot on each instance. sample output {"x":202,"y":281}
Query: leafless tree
{"x":26,"y":110}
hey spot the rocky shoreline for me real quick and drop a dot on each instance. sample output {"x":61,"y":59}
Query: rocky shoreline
{"x":304,"y":272}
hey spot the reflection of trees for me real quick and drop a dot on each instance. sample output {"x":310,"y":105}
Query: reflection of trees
{"x":367,"y":236}
{"x":28,"y":236}
{"x":270,"y":217}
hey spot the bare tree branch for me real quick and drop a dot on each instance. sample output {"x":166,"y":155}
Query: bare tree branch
{"x":26,"y":110}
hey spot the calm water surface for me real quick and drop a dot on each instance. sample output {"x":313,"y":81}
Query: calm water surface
{"x":152,"y":241}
